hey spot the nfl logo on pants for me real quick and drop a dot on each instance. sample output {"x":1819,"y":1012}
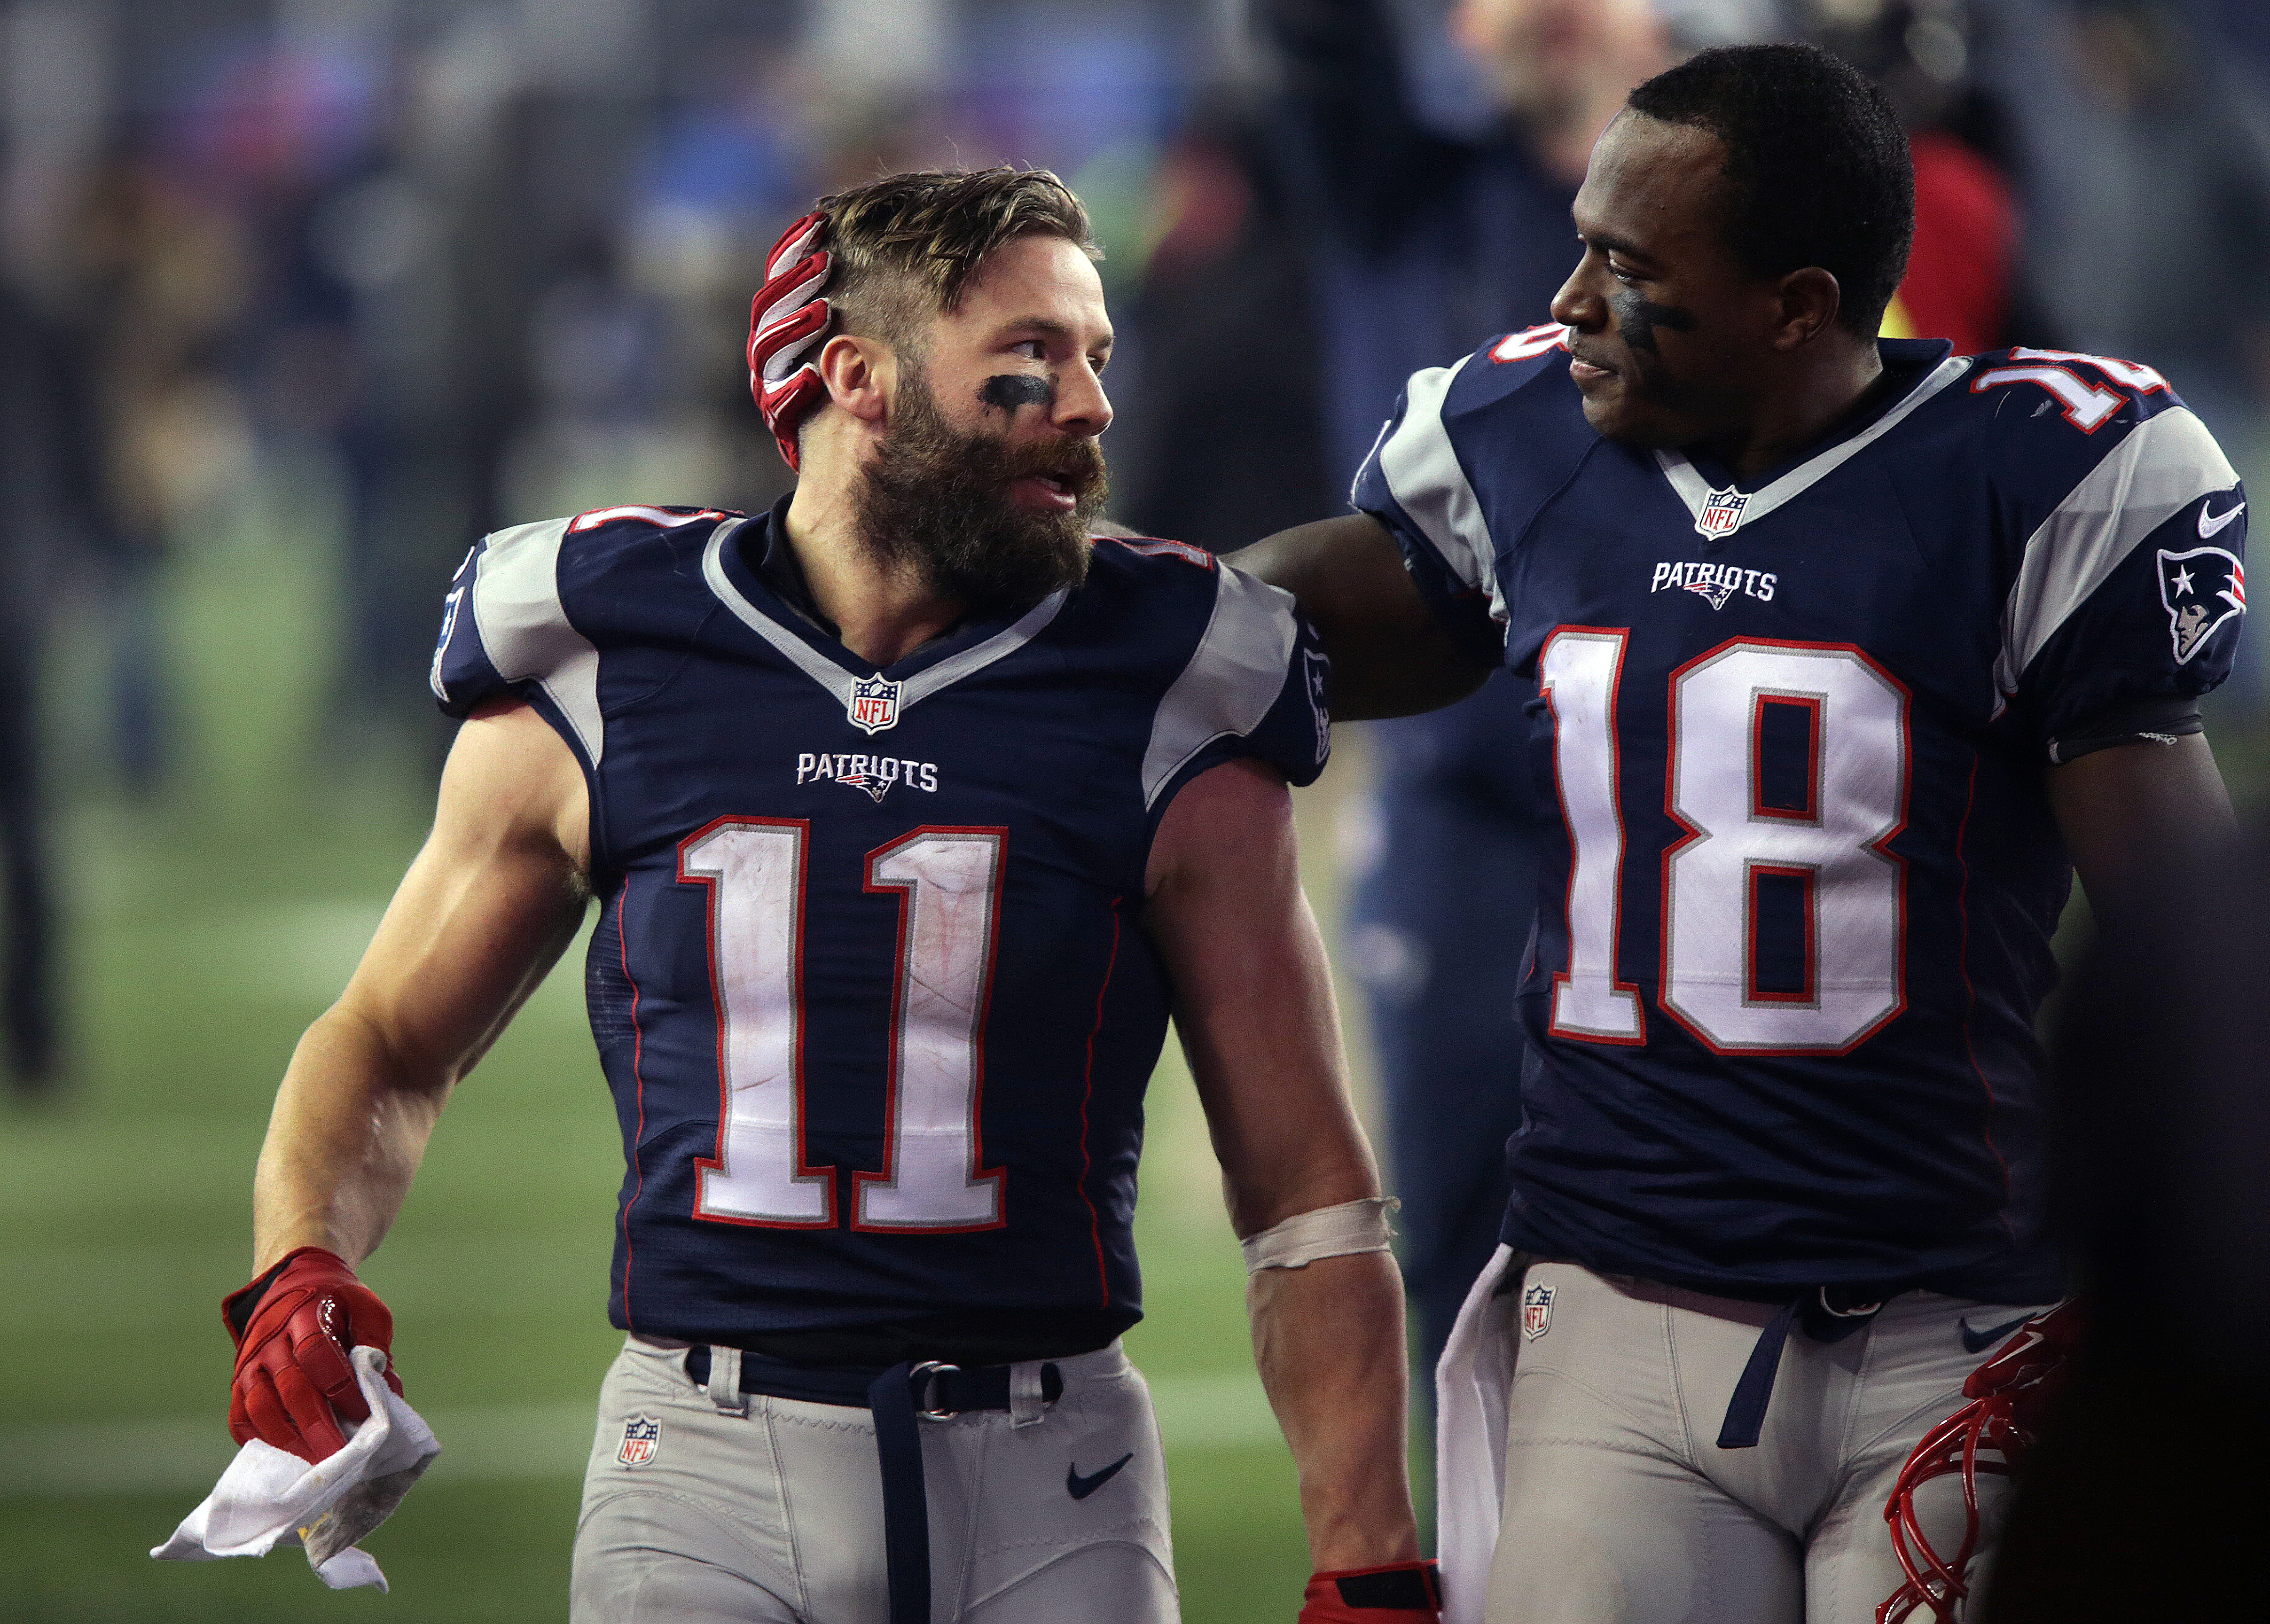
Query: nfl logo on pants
{"x":640,"y":1435}
{"x":1536,"y":1311}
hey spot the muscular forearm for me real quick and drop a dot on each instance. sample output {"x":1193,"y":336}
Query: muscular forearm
{"x":349,"y":1128}
{"x":1329,"y":1342}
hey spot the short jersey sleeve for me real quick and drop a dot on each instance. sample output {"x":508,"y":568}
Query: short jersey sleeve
{"x":2133,"y":589}
{"x":1254,"y":686}
{"x":505,"y":631}
{"x":1414,"y":483}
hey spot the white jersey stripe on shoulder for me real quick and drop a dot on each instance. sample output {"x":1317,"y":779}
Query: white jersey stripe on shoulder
{"x":525,"y":630}
{"x":1234,"y":676}
{"x":1423,"y":474}
{"x":2168,"y":462}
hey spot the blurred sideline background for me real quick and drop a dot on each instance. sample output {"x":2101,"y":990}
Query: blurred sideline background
{"x":299,"y":297}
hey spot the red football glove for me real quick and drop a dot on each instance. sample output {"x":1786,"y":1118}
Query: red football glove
{"x":293,"y":1326}
{"x":1398,"y":1593}
{"x":787,"y":322}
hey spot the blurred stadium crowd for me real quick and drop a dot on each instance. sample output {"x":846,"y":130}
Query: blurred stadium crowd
{"x":443,"y":264}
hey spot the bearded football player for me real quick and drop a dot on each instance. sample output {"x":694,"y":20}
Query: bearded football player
{"x":1845,"y":653}
{"x":910,"y":809}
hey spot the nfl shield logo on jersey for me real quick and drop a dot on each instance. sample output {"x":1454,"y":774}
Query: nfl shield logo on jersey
{"x":1536,"y":1311}
{"x":874,"y":704}
{"x":2200,"y":588}
{"x":1722,"y":512}
{"x":640,"y":1435}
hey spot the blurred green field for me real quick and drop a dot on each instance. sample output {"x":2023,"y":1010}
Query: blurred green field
{"x":205,"y":931}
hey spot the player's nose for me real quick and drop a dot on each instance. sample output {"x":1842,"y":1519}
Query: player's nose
{"x":1577,"y":305}
{"x":1082,"y":407}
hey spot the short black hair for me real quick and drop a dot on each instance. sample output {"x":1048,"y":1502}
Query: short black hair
{"x":1817,"y":167}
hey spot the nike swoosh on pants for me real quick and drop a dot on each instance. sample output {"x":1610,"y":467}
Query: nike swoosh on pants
{"x":1080,"y":1487}
{"x":1979,"y":1341}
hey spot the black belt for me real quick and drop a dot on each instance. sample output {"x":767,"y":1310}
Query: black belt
{"x":1829,"y":1314}
{"x":900,"y":1397}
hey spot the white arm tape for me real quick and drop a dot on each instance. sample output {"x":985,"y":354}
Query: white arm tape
{"x":1328,"y":1232}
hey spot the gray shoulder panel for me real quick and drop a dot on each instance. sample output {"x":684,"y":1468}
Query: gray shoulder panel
{"x":525,"y":630}
{"x":1422,"y":469}
{"x":1233,"y":676}
{"x":2168,"y":462}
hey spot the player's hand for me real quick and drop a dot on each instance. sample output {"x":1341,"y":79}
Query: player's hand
{"x":1398,"y":1593}
{"x":293,"y":1326}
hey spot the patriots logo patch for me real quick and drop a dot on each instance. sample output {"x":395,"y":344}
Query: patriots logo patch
{"x":1714,"y":593}
{"x":642,"y":1437}
{"x":874,"y":704}
{"x":2200,"y":588}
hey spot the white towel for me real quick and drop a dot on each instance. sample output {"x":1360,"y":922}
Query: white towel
{"x":269,"y":1497}
{"x":1473,"y":1385}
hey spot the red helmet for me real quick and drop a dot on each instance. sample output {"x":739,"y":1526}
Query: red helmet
{"x":787,"y":322}
{"x":2009,"y":1396}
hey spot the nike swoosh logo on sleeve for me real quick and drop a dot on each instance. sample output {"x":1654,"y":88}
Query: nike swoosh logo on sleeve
{"x":1979,"y":1341}
{"x":2213,"y":525}
{"x":1080,"y":1487}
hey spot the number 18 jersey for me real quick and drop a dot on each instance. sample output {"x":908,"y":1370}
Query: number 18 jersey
{"x":870,"y":982}
{"x":1790,"y":945}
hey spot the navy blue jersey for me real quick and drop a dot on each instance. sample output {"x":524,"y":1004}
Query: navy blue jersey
{"x":870,"y":985}
{"x":1794,"y":922}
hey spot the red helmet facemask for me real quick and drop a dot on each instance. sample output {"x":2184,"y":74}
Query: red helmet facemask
{"x":2008,"y":1397}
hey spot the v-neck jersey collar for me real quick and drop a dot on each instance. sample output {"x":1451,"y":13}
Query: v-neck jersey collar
{"x":754,"y":560}
{"x":979,"y":641}
{"x":1780,"y":486}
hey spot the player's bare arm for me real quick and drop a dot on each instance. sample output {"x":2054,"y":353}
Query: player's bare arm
{"x":2143,"y":821}
{"x":485,"y":908}
{"x":1254,"y":1007}
{"x":1391,"y":655}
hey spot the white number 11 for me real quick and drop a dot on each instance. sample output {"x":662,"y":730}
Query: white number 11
{"x":949,"y":883}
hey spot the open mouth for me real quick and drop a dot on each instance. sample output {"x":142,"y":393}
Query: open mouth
{"x":1045,"y":491}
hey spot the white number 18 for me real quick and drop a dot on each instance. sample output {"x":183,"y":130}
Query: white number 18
{"x":1829,"y":845}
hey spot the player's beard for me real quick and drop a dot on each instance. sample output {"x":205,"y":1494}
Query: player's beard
{"x":937,"y":498}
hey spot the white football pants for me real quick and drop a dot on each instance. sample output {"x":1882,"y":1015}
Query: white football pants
{"x":1620,"y":1508}
{"x":774,"y":1516}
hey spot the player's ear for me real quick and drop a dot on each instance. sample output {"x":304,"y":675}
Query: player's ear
{"x":1810,"y":301}
{"x":860,"y":375}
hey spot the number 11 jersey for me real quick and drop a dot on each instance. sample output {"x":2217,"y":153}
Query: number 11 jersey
{"x":1794,"y":933}
{"x":870,"y":982}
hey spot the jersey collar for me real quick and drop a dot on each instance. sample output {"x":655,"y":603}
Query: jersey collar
{"x":939,"y":663}
{"x":1696,"y":491}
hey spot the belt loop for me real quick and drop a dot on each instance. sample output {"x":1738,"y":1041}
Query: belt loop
{"x":725,"y":1381}
{"x":1026,"y":1397}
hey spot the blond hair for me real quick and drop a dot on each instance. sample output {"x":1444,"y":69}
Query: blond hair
{"x":906,"y":246}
